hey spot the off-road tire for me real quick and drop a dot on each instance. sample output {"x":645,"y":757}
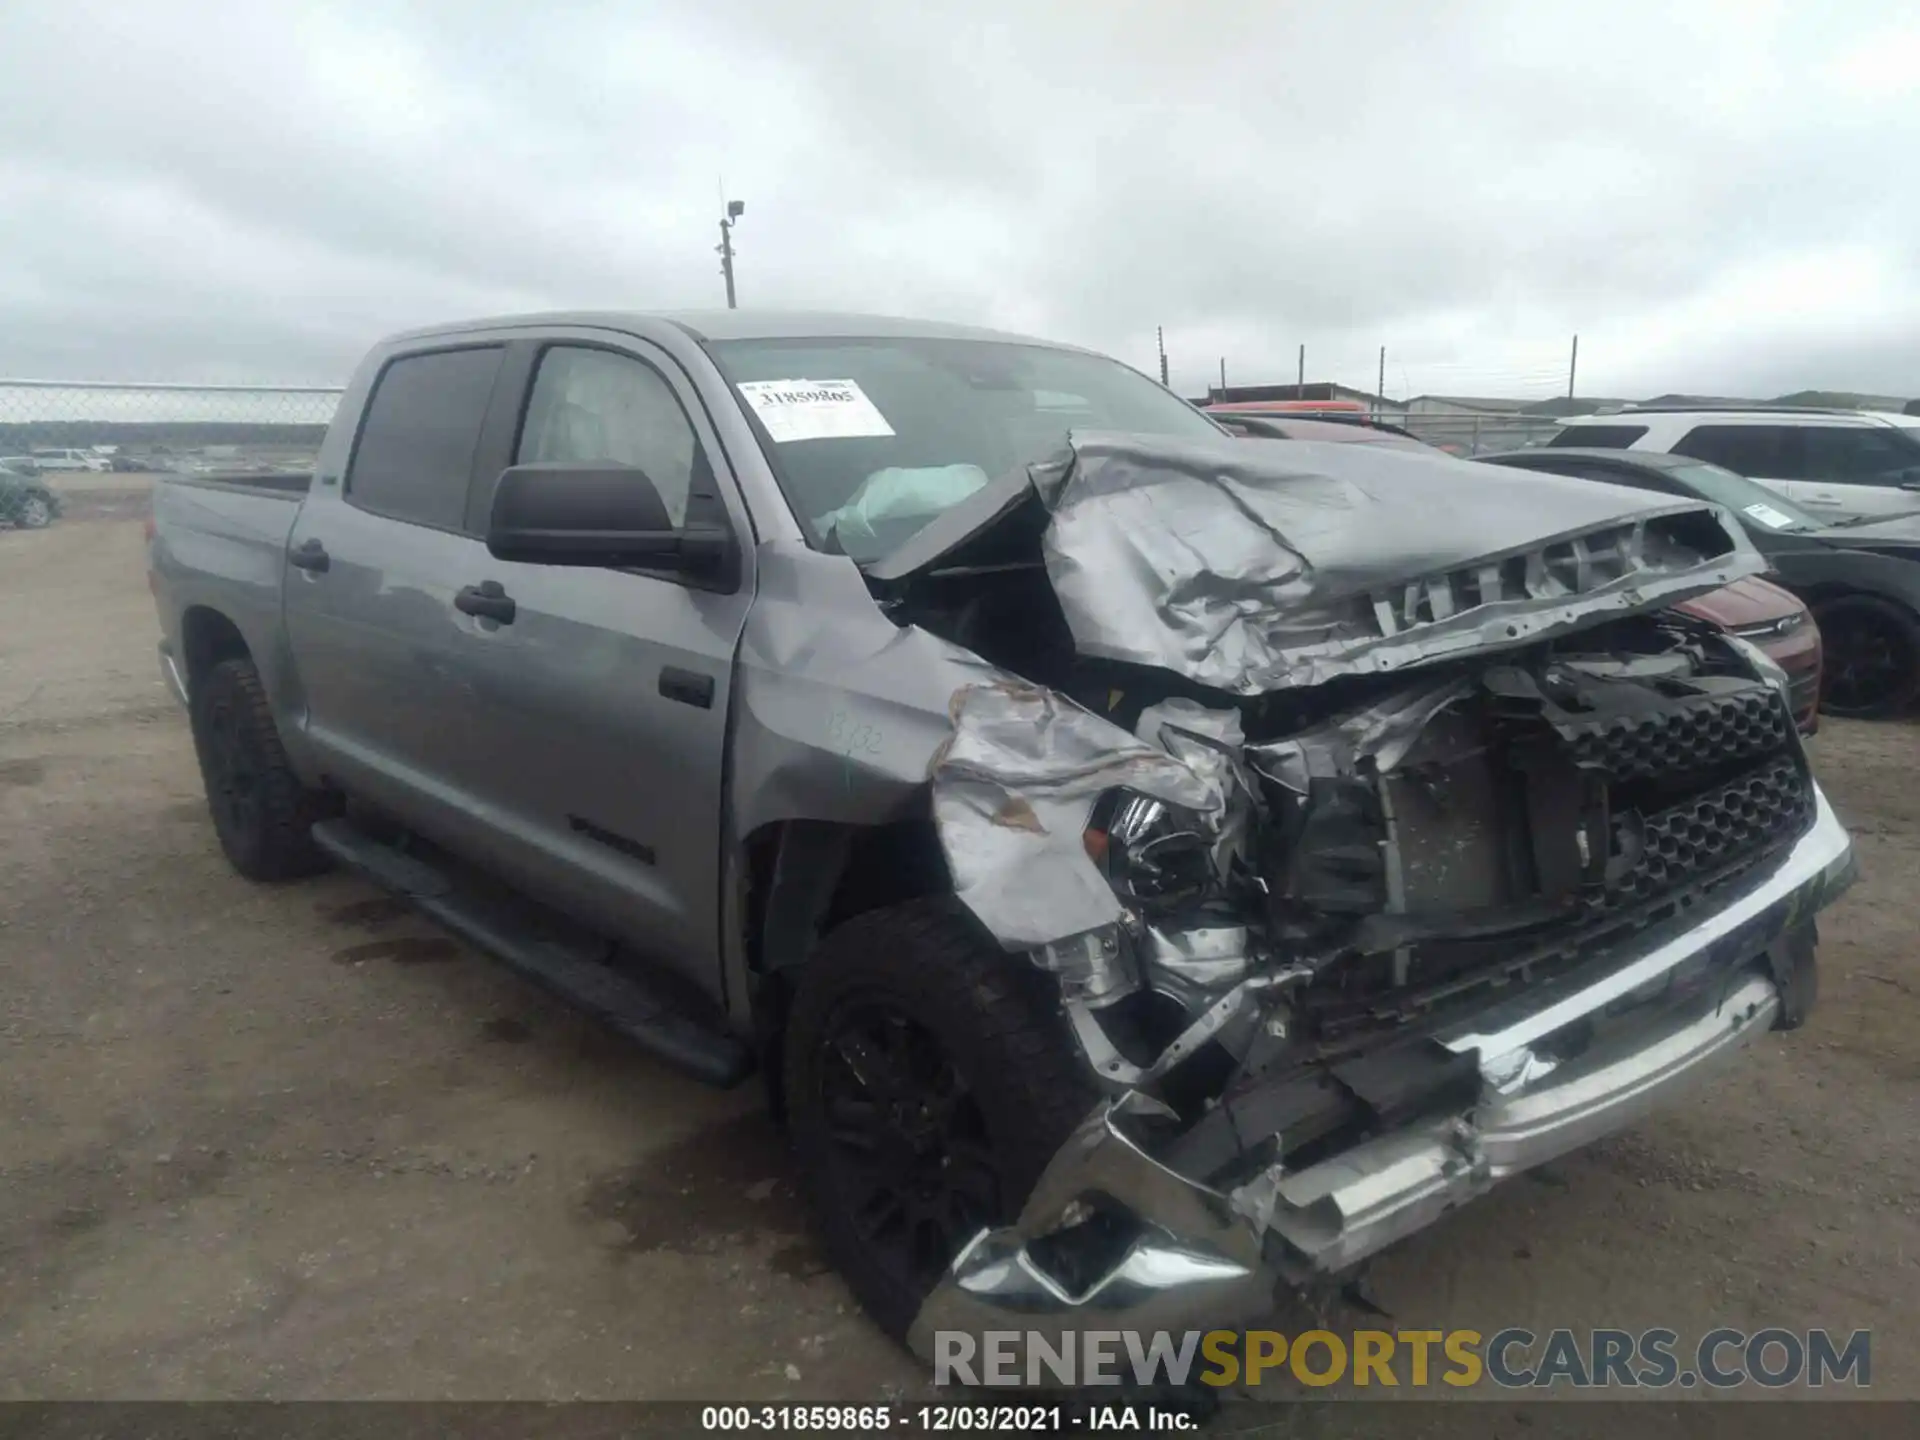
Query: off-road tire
{"x":267,"y":837}
{"x":1894,"y":622}
{"x":36,"y":512}
{"x":999,"y":1021}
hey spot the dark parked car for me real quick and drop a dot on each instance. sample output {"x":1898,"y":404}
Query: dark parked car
{"x":26,"y":502}
{"x":1860,"y":577}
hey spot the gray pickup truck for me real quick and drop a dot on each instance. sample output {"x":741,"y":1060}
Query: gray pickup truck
{"x":1148,"y":866}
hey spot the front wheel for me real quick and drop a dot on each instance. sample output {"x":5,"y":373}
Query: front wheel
{"x":930,"y":1077}
{"x":35,"y":513}
{"x":261,"y":811}
{"x":1872,"y":657}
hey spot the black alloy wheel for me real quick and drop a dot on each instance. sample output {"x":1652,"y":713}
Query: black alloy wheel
{"x":1871,"y":666}
{"x":908,"y":1148}
{"x":928,"y":1079}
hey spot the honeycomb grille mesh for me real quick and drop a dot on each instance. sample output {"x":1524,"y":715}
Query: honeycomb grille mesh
{"x":1704,"y":731}
{"x":1743,"y":818}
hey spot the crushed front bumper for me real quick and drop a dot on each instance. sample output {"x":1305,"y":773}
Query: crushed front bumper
{"x":1202,"y":1258}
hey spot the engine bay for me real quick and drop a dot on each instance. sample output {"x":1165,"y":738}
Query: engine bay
{"x":1385,"y":850}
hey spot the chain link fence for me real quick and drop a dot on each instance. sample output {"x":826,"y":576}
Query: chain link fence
{"x":1483,"y":434}
{"x":77,"y":427}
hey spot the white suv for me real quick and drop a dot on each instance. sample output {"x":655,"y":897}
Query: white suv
{"x":1835,"y":463}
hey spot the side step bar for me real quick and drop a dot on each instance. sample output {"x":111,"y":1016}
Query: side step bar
{"x":542,"y":947}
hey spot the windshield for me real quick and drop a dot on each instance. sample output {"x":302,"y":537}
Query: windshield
{"x":874,"y":437}
{"x":1753,"y":502}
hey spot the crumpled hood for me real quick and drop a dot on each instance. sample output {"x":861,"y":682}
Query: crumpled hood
{"x":1254,"y":567}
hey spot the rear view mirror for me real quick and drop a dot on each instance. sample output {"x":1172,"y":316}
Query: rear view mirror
{"x":595,"y":513}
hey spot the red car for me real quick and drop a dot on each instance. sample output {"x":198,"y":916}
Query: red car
{"x":1779,"y":623}
{"x":1774,"y":619}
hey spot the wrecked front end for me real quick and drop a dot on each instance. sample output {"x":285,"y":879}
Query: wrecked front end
{"x":1367,"y":883}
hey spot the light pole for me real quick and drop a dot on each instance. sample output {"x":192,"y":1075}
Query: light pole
{"x":735,"y":209}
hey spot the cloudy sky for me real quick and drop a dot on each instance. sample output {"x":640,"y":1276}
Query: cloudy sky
{"x":1715,"y":197}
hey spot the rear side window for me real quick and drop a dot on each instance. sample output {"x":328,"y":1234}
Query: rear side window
{"x":1599,"y":437}
{"x":1769,"y":451}
{"x":414,"y":457}
{"x":1858,"y":455}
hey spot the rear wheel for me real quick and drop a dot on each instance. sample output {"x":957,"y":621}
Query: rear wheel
{"x":1872,"y":656}
{"x":261,"y":811}
{"x":929,"y":1080}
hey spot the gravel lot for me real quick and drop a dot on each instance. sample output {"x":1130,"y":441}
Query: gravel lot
{"x":293,"y":1142}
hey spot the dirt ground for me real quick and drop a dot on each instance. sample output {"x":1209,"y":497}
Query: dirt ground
{"x":294,"y":1142}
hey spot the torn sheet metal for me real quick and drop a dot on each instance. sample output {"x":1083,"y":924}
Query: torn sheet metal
{"x":1259,"y":567}
{"x":1195,"y":963}
{"x":837,"y":712}
{"x":1382,"y":732}
{"x":1254,"y":568}
{"x":1012,"y":794}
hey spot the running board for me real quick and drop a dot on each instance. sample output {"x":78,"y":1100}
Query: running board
{"x":544,"y":948}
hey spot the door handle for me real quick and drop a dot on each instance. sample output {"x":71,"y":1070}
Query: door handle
{"x":309,"y":555}
{"x":687,"y":686}
{"x":488,"y":599}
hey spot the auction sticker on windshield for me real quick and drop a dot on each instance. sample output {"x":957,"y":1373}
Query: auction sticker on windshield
{"x":1769,"y":516}
{"x":813,"y":409}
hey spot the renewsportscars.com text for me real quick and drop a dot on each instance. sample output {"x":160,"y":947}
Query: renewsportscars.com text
{"x":1512,"y":1358}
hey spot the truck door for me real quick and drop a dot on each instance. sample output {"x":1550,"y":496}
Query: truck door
{"x":595,"y":709}
{"x":374,"y":561}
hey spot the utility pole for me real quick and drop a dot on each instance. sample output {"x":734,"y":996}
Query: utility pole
{"x":735,"y":208}
{"x":1223,"y":377}
{"x":1160,"y":340}
{"x":1573,"y":366}
{"x":1300,"y":386}
{"x":1380,"y":387}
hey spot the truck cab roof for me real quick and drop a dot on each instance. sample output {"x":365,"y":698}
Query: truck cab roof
{"x":706,"y":325}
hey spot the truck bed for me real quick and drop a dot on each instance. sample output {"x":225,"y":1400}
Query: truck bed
{"x":221,"y":543}
{"x":271,"y":482}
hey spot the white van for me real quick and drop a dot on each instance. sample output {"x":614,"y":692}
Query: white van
{"x":69,"y":460}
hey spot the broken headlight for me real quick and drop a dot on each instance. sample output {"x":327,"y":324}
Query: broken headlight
{"x":1156,"y":856}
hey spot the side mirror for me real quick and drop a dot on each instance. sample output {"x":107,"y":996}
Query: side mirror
{"x":595,"y":513}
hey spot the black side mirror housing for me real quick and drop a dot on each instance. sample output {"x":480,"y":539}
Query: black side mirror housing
{"x":601,"y":515}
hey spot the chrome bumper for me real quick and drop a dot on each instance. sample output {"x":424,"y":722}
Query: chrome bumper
{"x":1206,"y":1258}
{"x":170,"y":672}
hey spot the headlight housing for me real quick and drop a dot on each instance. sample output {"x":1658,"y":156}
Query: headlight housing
{"x":1156,"y":856}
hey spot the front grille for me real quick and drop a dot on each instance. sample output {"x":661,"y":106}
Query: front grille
{"x":1739,"y":820}
{"x":1701,"y":731}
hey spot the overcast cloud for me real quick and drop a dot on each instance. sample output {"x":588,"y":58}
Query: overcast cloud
{"x":1716,"y":197}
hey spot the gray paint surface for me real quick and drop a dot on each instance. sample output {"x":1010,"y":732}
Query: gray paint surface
{"x":1244,"y":566}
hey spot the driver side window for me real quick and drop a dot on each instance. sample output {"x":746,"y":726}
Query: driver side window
{"x":597,"y":405}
